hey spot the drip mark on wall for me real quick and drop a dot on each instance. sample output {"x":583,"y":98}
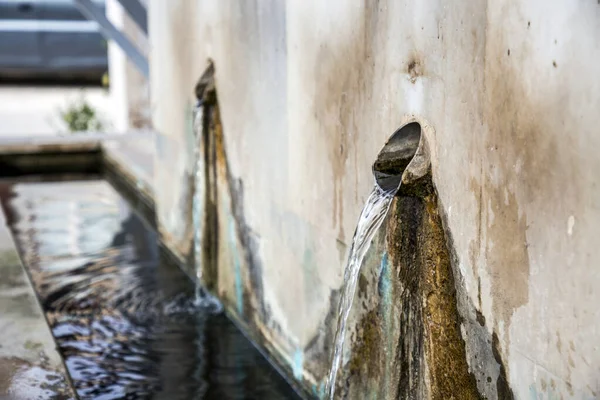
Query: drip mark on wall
{"x":239,"y":288}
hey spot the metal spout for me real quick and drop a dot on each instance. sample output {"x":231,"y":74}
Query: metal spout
{"x":396,"y":156}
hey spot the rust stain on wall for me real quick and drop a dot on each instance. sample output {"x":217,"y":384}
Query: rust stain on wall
{"x":449,"y":373}
{"x":528,"y":171}
{"x":511,"y":152}
{"x":475,"y":244}
{"x":415,"y":68}
{"x":344,"y":74}
{"x":507,"y":255}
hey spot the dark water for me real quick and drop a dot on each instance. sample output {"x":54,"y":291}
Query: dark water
{"x":127,"y":323}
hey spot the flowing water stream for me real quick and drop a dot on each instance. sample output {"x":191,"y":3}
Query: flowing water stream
{"x":371,"y":217}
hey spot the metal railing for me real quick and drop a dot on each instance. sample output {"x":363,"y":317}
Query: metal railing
{"x":138,"y":14}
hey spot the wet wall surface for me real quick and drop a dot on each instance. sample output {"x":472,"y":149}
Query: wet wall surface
{"x":128,"y":324}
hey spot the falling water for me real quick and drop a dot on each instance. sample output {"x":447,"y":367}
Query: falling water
{"x":203,"y":298}
{"x":370,"y":220}
{"x":197,"y":206}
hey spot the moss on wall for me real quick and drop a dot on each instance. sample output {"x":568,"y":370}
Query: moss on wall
{"x":409,"y":344}
{"x":448,"y":371}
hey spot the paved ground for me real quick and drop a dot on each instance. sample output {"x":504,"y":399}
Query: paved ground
{"x":30,"y":365}
{"x":35,"y":111}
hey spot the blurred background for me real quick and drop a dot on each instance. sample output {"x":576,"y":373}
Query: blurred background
{"x":73,"y":67}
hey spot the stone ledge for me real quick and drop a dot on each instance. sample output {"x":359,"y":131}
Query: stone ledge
{"x":30,"y":365}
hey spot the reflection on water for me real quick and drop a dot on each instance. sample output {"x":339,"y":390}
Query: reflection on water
{"x":125,"y":321}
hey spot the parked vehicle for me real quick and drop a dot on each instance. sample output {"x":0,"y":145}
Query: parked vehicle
{"x":50,"y":39}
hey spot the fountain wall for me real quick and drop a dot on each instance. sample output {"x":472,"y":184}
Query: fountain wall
{"x":307,"y":93}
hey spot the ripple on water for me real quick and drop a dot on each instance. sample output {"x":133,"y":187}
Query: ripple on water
{"x":128,"y":324}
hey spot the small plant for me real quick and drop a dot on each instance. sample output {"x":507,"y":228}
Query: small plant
{"x":81,"y":117}
{"x":105,"y":80}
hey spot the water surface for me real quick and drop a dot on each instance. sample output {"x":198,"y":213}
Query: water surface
{"x":127,"y":322}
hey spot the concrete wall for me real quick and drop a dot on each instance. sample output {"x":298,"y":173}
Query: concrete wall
{"x":309,"y":91}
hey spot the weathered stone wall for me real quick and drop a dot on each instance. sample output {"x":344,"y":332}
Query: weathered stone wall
{"x":308,"y":92}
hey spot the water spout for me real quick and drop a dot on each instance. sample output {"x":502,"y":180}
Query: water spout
{"x":403,"y":159}
{"x":395,"y":156}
